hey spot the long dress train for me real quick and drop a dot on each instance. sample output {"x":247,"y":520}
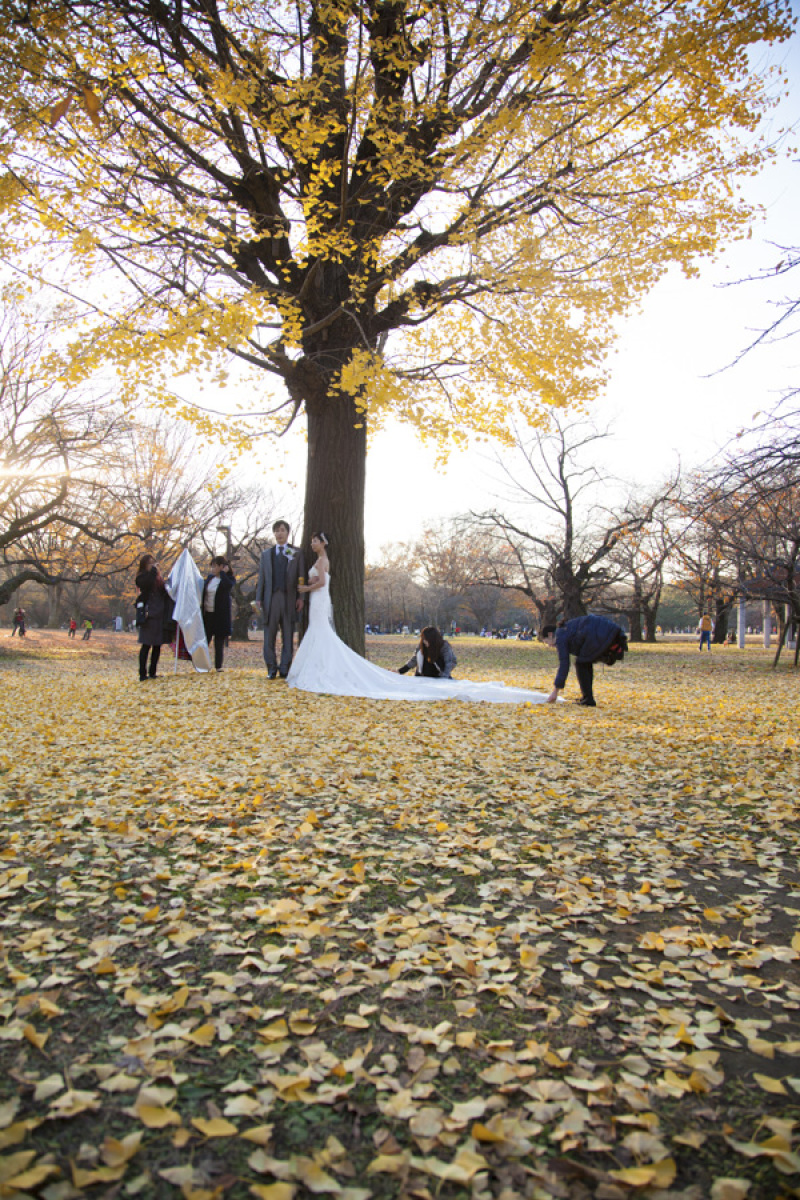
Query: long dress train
{"x":323,"y":663}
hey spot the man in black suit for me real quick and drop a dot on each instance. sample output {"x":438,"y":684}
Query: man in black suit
{"x":281,"y":569}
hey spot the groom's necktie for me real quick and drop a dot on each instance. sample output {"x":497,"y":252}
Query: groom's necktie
{"x":279,"y":574}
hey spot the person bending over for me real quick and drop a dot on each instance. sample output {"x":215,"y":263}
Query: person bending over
{"x":589,"y":640}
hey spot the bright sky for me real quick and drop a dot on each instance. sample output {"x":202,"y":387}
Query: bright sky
{"x":669,"y":398}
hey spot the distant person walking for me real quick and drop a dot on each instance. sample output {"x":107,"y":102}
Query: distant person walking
{"x":87,"y":630}
{"x":19,"y":622}
{"x":704,"y":629}
{"x":73,"y":626}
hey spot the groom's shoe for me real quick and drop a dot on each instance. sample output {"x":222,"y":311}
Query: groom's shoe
{"x":271,"y":674}
{"x":284,"y":674}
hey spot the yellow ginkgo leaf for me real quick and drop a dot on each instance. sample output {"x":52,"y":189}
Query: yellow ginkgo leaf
{"x":116,"y":1151}
{"x":260,"y":1134}
{"x":274,"y":1032}
{"x":769,"y":1084}
{"x":635,"y":1176}
{"x":39,"y":1040}
{"x":88,"y":1178}
{"x":15,"y":1133}
{"x":105,"y":967}
{"x":15,"y":1164}
{"x":156,"y":1116}
{"x":354,"y":1021}
{"x":388,"y":1164}
{"x":214,"y":1126}
{"x":312,"y":1176}
{"x":273,"y":1191}
{"x":73,"y":1102}
{"x":8,"y":1110}
{"x":203,"y":1035}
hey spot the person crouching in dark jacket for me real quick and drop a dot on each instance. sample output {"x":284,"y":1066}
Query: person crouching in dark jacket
{"x":216,"y":606}
{"x":433,"y":657}
{"x":590,"y":640}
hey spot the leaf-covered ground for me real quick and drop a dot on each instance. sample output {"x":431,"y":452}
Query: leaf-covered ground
{"x":256,"y":942}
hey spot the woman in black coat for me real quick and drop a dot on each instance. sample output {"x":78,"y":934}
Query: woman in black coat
{"x":216,"y":606}
{"x":158,"y":609}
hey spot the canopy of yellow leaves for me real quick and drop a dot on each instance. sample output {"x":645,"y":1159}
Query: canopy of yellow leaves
{"x":459,"y":196}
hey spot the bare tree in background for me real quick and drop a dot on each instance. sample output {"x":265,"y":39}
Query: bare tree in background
{"x":393,"y":595}
{"x":54,"y":447}
{"x":753,"y":514}
{"x":704,"y":570}
{"x":559,"y":551}
{"x":456,"y":561}
{"x":84,"y":490}
{"x":642,"y":556}
{"x":773,"y":444}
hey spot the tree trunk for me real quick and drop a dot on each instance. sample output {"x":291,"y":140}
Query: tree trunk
{"x":722,"y":613}
{"x":783,"y":628}
{"x":548,"y":610}
{"x":54,"y":605}
{"x":650,"y":623}
{"x":651,"y":615}
{"x":334,"y":505}
{"x":635,"y":622}
{"x":571,"y":592}
{"x":244,"y":613}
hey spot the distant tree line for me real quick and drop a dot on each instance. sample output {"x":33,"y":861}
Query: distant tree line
{"x":85,"y":490}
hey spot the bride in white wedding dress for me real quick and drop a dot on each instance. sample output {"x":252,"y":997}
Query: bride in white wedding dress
{"x":323,"y":663}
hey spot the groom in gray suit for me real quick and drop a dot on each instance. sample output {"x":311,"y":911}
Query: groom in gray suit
{"x":281,"y":569}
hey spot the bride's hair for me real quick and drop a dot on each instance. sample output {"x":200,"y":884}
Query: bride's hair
{"x":321,"y":537}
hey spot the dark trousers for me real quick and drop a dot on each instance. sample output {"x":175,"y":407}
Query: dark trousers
{"x":585,"y":673}
{"x":280,"y":616}
{"x":219,"y":639}
{"x":155,"y":654}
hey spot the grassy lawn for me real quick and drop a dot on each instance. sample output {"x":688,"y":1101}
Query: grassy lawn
{"x":258,"y":942}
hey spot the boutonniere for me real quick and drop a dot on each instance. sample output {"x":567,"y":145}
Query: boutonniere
{"x":289,"y":552}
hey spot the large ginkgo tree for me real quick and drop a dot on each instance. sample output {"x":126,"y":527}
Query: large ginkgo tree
{"x":429,"y":208}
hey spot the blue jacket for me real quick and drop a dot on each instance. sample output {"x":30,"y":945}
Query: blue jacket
{"x":584,"y":637}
